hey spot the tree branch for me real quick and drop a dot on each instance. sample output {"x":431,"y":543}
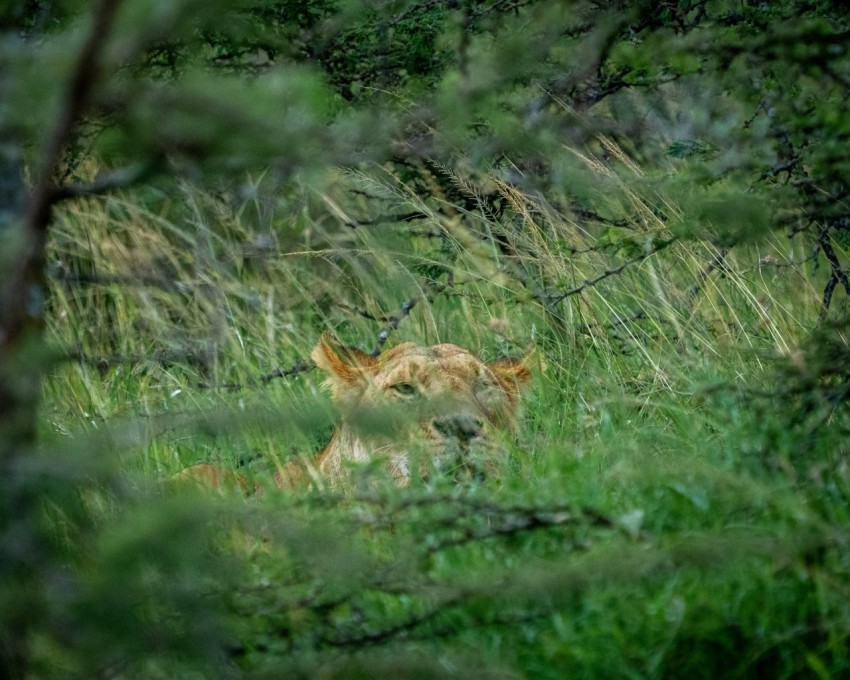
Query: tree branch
{"x":430,"y":289}
{"x":85,"y":77}
{"x":838,"y":274}
{"x":105,"y":183}
{"x":552,"y":300}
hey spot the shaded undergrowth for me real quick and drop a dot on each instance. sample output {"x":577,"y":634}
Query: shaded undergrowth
{"x":675,"y":502}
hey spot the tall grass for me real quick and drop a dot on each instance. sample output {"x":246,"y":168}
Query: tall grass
{"x":639,"y":413}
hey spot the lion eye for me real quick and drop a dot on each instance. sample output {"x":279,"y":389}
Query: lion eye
{"x":404,"y":389}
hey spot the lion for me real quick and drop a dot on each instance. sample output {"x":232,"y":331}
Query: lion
{"x":419,"y":409}
{"x":412,"y":411}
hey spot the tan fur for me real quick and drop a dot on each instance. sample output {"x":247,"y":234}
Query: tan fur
{"x":443,"y":406}
{"x":411,"y":410}
{"x":210,"y":476}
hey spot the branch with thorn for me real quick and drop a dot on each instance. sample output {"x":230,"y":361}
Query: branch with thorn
{"x":552,"y":300}
{"x":838,"y":274}
{"x":117,"y":179}
{"x":430,"y":289}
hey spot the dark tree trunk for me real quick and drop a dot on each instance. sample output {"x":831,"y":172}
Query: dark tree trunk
{"x":19,"y":387}
{"x":24,"y":220}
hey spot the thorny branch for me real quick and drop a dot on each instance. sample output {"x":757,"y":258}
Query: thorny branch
{"x":426,"y":5}
{"x":86,"y":76}
{"x":394,"y":321}
{"x":105,"y":183}
{"x":411,"y":628}
{"x":299,"y":367}
{"x":460,"y":522}
{"x":552,"y":300}
{"x":20,"y":284}
{"x":390,"y":219}
{"x":22,"y":293}
{"x":373,"y":637}
{"x":507,"y":522}
{"x":296,"y":369}
{"x":58,"y":271}
{"x":837,"y":276}
{"x":364,"y":313}
{"x":457,"y":519}
{"x":429,"y":290}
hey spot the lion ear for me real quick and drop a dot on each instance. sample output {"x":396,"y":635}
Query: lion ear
{"x":344,"y":366}
{"x":512,"y":373}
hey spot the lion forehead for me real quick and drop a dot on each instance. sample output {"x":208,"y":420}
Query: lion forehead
{"x":440,"y":364}
{"x":457,"y":402}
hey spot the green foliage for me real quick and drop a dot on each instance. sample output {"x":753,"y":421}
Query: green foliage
{"x":647,"y":506}
{"x":652,"y":202}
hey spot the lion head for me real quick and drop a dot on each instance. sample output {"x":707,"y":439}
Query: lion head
{"x":417,"y":409}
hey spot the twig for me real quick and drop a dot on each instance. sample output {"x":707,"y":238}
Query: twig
{"x":409,"y":629}
{"x":85,"y":77}
{"x":104,"y":183}
{"x":59,"y":272}
{"x":374,"y":637}
{"x":512,"y":522}
{"x":786,"y":166}
{"x":552,"y":300}
{"x":502,"y":6}
{"x":768,"y":261}
{"x":838,"y":274}
{"x":299,"y":367}
{"x":25,"y":281}
{"x":430,"y":289}
{"x":102,"y":364}
{"x":394,"y":321}
{"x":421,"y":6}
{"x":501,"y":519}
{"x":390,"y":219}
{"x":362,"y":312}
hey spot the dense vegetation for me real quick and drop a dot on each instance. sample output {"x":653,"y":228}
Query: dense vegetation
{"x":651,"y":199}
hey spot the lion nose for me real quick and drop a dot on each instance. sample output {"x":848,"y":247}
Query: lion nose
{"x":462,"y":428}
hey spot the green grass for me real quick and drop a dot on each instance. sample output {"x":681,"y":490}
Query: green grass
{"x":723,"y":551}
